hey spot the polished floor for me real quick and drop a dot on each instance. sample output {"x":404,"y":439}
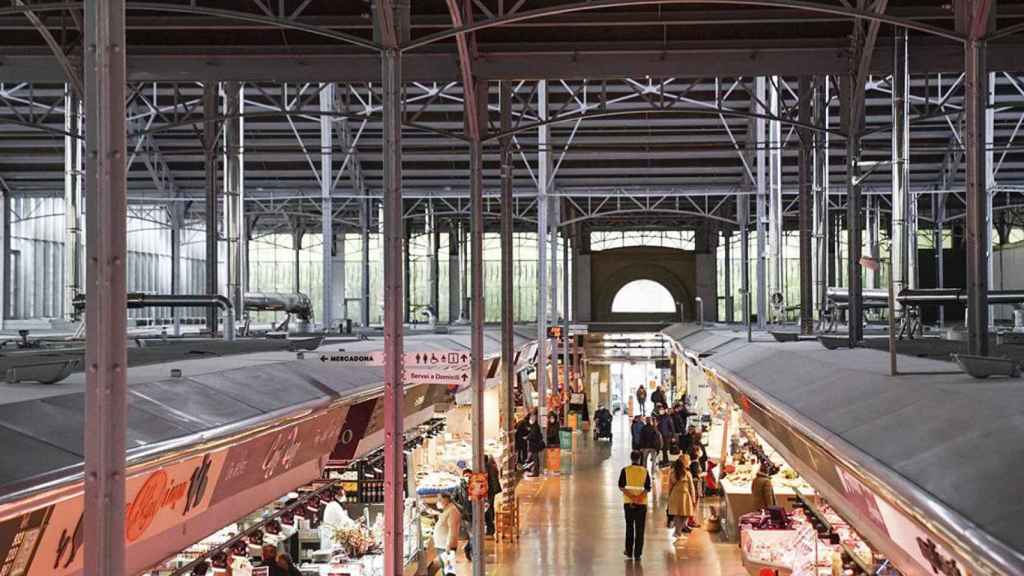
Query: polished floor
{"x":573,"y":524}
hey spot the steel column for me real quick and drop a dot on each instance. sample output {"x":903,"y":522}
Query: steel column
{"x":776,"y":236}
{"x":543,"y":171}
{"x":939,"y":217}
{"x":730,"y":314}
{"x":873,"y":213}
{"x":297,"y":234}
{"x":508,"y":369}
{"x":327,"y":102}
{"x":210,"y":129}
{"x":234,"y":217}
{"x":804,"y":185}
{"x":762,"y":202}
{"x":106,"y":289}
{"x":434,"y":270}
{"x":978,"y":222}
{"x":565,"y":315}
{"x":177,"y":215}
{"x":990,"y":182}
{"x":900,"y":235}
{"x":454,"y":272}
{"x":553,"y":221}
{"x":854,"y":97}
{"x":821,"y":192}
{"x":6,"y":276}
{"x":394,"y":497}
{"x":476,"y":339}
{"x":72,"y":201}
{"x":365,"y":206}
{"x":406,"y":272}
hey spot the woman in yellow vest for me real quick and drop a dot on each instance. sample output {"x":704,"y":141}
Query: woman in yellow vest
{"x":635,"y":484}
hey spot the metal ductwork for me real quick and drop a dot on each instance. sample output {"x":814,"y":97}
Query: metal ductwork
{"x":926,"y":296}
{"x":140,"y":300}
{"x":291,"y":303}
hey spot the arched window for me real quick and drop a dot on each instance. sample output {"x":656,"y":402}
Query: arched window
{"x":644,"y":297}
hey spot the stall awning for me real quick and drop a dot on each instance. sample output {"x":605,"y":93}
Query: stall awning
{"x":944,"y":445}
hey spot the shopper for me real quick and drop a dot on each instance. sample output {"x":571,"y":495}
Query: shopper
{"x":268,"y":559}
{"x":287,"y":566}
{"x":535,"y":445}
{"x":650,"y":442}
{"x":493,"y":489}
{"x":667,"y":429}
{"x":635,"y":485}
{"x":686,"y":441}
{"x":522,"y":434}
{"x":682,"y":502}
{"x":658,"y":398}
{"x":553,"y":427}
{"x":446,"y":534}
{"x":636,"y":429}
{"x":761,"y":487}
{"x":641,"y":399}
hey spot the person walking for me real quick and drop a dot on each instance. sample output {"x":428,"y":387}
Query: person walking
{"x":635,"y":485}
{"x":641,"y":399}
{"x":682,"y":502}
{"x":522,"y":434}
{"x":650,"y":442}
{"x":635,"y":430}
{"x":446,"y":534}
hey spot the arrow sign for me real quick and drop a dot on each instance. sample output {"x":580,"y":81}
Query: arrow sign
{"x":375,"y":358}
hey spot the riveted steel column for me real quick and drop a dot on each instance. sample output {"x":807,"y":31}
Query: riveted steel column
{"x":210,"y":167}
{"x":106,"y":300}
{"x":508,"y":369}
{"x":900,"y":239}
{"x":822,"y":244}
{"x":234,"y":221}
{"x":391,"y":73}
{"x":72,"y":201}
{"x":978,"y":223}
{"x":476,"y":340}
{"x":326,"y":203}
{"x":543,"y":170}
{"x":553,"y":222}
{"x":776,"y":236}
{"x":565,"y":315}
{"x":854,"y":98}
{"x":730,"y":314}
{"x":762,"y":202}
{"x":365,"y":206}
{"x":806,"y":201}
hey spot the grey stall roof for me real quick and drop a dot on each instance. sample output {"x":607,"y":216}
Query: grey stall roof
{"x":41,"y":425}
{"x":955,"y":437}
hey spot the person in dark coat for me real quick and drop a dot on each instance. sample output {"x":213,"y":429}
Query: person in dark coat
{"x":667,"y":428}
{"x":553,"y":427}
{"x":635,"y":428}
{"x":650,"y":442}
{"x":493,"y":489}
{"x":522,"y":433}
{"x":658,"y":397}
{"x":535,"y":445}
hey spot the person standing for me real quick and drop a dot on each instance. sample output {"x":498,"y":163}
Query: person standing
{"x":761,"y":488}
{"x":658,"y":397}
{"x":641,"y":399}
{"x":635,"y":485}
{"x":493,"y":489}
{"x":446,"y":534}
{"x":667,"y":429}
{"x":681,"y":498}
{"x":287,"y":565}
{"x":535,"y":444}
{"x":522,"y":433}
{"x":268,"y":559}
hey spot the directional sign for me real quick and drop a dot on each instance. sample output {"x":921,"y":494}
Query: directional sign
{"x":362,"y":358}
{"x":442,"y":359}
{"x":440,"y":376}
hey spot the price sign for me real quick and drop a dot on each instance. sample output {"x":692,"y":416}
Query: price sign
{"x":478,"y":486}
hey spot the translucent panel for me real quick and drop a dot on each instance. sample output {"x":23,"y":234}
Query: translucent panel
{"x":643,"y":296}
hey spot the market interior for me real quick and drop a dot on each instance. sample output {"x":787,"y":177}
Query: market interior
{"x":397,"y":288}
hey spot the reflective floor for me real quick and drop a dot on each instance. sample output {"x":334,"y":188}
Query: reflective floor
{"x":573,"y":525}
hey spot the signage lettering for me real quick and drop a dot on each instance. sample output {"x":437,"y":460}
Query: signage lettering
{"x":69,"y":545}
{"x":197,"y":485}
